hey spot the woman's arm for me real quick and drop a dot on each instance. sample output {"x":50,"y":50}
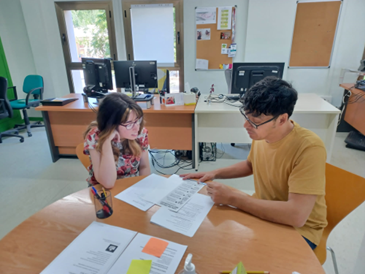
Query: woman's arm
{"x":103,"y":162}
{"x":144,"y":166}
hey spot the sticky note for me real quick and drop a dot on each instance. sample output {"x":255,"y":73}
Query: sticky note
{"x":155,"y":247}
{"x":140,"y":267}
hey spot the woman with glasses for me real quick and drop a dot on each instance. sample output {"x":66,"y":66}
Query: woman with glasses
{"x":117,"y":142}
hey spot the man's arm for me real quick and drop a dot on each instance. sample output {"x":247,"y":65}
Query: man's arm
{"x":294,"y":212}
{"x":241,"y":169}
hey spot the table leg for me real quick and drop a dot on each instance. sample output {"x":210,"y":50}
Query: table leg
{"x":53,"y":149}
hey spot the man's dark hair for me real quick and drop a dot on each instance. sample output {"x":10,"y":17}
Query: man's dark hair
{"x":270,"y":96}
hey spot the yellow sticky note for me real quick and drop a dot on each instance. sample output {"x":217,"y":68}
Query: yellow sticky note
{"x":155,"y":247}
{"x":140,"y":267}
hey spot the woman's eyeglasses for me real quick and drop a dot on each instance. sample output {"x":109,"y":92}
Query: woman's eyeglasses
{"x":130,"y":125}
{"x":252,"y":123}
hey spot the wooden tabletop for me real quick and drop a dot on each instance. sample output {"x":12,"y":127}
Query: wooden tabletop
{"x":226,"y":237}
{"x":80,"y":106}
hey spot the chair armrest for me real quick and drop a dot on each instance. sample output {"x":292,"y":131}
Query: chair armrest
{"x":15,"y":93}
{"x":30,"y":92}
{"x":2,"y":106}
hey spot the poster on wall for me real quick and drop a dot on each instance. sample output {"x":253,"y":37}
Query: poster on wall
{"x":205,"y":16}
{"x":203,"y":34}
{"x":224,"y":18}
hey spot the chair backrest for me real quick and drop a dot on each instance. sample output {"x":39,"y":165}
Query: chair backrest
{"x":3,"y":95}
{"x":84,"y":159}
{"x":345,"y":191}
{"x":31,"y":82}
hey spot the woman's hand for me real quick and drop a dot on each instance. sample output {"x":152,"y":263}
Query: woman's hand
{"x":113,"y":135}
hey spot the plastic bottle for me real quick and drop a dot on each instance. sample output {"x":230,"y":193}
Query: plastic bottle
{"x":189,"y":267}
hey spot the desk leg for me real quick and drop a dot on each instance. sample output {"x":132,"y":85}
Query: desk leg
{"x":330,"y":136}
{"x":196,"y":143}
{"x":193,"y":142}
{"x":53,"y":149}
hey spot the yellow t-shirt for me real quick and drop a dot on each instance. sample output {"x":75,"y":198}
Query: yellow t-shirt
{"x":295,"y":164}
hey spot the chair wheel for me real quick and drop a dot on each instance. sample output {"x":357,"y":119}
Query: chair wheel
{"x":21,"y":140}
{"x":29,"y":134}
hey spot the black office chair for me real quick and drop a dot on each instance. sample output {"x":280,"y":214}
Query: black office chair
{"x":6,"y":111}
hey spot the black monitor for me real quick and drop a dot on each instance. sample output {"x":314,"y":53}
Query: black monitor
{"x":145,"y":73}
{"x":245,"y":75}
{"x":98,"y":74}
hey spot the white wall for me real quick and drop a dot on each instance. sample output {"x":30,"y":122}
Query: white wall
{"x":16,"y":44}
{"x":269,"y":35}
{"x":204,"y":79}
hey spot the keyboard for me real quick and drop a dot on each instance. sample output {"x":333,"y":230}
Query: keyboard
{"x":355,"y":140}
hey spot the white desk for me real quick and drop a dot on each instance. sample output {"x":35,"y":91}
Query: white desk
{"x":219,"y":122}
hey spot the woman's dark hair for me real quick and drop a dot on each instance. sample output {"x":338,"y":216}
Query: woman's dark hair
{"x":114,"y":110}
{"x":270,"y":96}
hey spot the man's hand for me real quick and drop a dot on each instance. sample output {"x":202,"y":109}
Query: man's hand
{"x":202,"y":176}
{"x":222,"y":194}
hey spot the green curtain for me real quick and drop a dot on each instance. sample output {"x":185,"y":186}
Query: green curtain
{"x":8,"y":123}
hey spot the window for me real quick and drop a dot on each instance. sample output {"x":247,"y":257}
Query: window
{"x":86,"y":30}
{"x":154,"y":32}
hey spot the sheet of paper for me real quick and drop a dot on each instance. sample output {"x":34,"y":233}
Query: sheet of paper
{"x":201,"y":64}
{"x":163,"y":189}
{"x":140,"y":267}
{"x":224,"y":49}
{"x":133,"y":194}
{"x":206,"y":15}
{"x":188,"y":219}
{"x":203,"y":34}
{"x":168,"y":262}
{"x":224,"y":18}
{"x":155,"y":247}
{"x":94,"y":251}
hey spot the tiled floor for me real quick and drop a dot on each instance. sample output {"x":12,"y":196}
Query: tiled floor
{"x":27,"y":174}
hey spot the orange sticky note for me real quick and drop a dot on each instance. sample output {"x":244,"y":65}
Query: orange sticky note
{"x":155,"y":247}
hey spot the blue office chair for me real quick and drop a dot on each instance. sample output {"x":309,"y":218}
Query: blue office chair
{"x":6,"y":111}
{"x":33,"y":85}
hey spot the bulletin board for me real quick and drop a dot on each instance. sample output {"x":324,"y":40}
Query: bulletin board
{"x":209,"y":42}
{"x":314,"y":33}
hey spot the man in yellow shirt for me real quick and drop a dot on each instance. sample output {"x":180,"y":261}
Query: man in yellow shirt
{"x":286,"y":160}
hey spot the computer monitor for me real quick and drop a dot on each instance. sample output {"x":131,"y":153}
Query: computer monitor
{"x":245,"y":75}
{"x":145,"y":74}
{"x":98,"y":74}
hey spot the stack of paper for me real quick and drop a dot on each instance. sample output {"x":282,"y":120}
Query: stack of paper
{"x":102,"y":248}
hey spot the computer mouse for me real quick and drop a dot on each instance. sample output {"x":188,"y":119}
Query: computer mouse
{"x":220,"y":96}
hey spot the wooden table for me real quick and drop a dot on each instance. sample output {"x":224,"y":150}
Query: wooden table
{"x":169,"y":127}
{"x":355,"y":112}
{"x":225,"y":237}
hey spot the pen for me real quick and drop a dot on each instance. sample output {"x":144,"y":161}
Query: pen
{"x":248,"y":272}
{"x":105,"y":205}
{"x":104,"y":192}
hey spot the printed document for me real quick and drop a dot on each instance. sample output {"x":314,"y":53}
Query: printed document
{"x":174,"y":193}
{"x":133,"y":195}
{"x":188,"y":219}
{"x":94,"y":251}
{"x":167,"y":263}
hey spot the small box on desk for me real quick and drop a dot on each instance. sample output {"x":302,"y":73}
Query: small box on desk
{"x":57,"y":101}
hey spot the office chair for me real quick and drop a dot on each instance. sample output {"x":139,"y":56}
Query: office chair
{"x":33,"y":85}
{"x":84,"y":159}
{"x":345,"y":191}
{"x":6,"y":111}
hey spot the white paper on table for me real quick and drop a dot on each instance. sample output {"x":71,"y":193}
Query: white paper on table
{"x":133,"y":195}
{"x":167,"y":263}
{"x":224,"y":18}
{"x":176,"y":194}
{"x":188,"y":219}
{"x":94,"y":251}
{"x":205,"y":15}
{"x":164,"y":189}
{"x":201,"y":64}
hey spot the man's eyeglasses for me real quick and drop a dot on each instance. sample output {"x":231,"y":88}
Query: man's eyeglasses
{"x":252,"y":123}
{"x":130,"y":125}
